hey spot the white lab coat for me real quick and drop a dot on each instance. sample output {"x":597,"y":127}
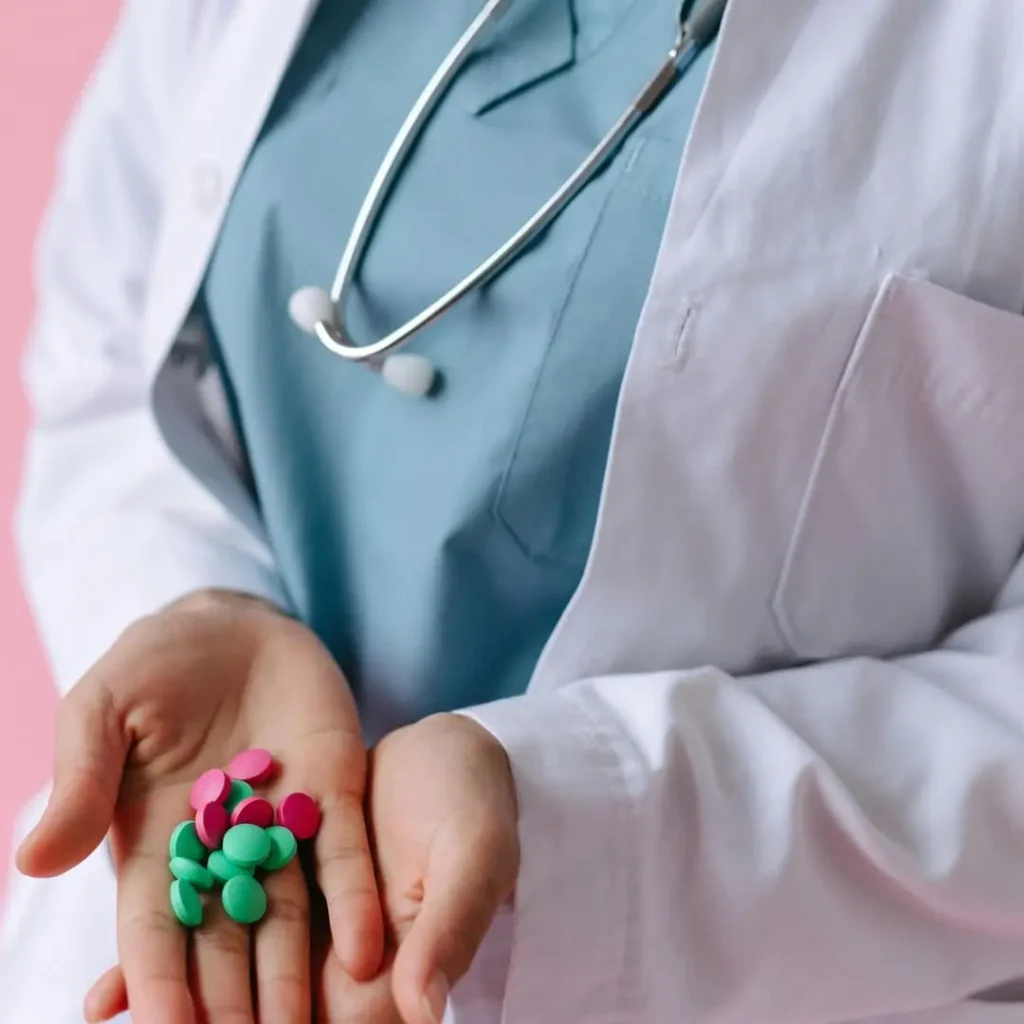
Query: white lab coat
{"x":771,"y":765}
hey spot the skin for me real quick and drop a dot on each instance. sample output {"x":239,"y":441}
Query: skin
{"x":442,"y":809}
{"x":181,"y":692}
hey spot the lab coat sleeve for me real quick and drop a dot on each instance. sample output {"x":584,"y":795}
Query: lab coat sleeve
{"x":110,"y":527}
{"x":828,"y":843}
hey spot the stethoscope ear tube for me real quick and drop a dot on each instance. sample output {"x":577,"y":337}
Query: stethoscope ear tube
{"x":323,"y":314}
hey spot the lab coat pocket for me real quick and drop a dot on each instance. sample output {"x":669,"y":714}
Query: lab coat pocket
{"x":548,"y":497}
{"x":914,"y":513}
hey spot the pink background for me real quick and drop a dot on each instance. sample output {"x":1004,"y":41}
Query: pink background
{"x":47,"y":49}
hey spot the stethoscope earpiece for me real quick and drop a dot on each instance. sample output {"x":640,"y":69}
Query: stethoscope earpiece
{"x":407,"y":372}
{"x":410,"y":373}
{"x":309,"y":306}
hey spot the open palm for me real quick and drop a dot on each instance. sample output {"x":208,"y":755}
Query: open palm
{"x":180,"y":693}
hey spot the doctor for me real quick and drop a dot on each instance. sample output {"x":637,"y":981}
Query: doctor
{"x":710,"y":521}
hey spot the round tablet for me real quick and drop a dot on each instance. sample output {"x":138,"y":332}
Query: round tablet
{"x":283,"y":847}
{"x":252,"y":766}
{"x":222,"y":869}
{"x":299,"y":814}
{"x":186,"y":904}
{"x":211,"y":787}
{"x":185,"y":842}
{"x":247,"y":845}
{"x":195,"y":874}
{"x":211,"y":824}
{"x":253,"y":810}
{"x":239,"y":791}
{"x":244,"y":899}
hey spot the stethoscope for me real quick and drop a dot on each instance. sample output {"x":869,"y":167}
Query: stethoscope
{"x":323,"y":314}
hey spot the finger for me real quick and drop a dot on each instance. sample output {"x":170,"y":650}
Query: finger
{"x":90,"y":755}
{"x":346,"y":1001}
{"x":469,"y":876}
{"x":152,"y":944}
{"x":221,"y":969}
{"x":346,"y":875}
{"x":107,"y":998}
{"x":282,"y":952}
{"x":342,"y":1000}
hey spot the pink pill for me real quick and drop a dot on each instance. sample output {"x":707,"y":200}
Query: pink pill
{"x":211,"y":787}
{"x":300,"y":815}
{"x":252,"y":766}
{"x":254,"y":810}
{"x":211,"y":824}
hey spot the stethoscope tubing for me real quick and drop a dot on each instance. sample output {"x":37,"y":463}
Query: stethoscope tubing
{"x":694,"y":33}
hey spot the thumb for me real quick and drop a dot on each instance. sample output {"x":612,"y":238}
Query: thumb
{"x":90,"y":754}
{"x":468,"y":878}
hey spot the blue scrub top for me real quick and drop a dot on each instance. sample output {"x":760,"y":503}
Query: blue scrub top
{"x":434,"y":543}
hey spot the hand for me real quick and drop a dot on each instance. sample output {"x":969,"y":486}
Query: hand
{"x":443,"y":819}
{"x":181,"y":692}
{"x":337,"y":998}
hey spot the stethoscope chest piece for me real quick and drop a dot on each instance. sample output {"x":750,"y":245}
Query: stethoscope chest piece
{"x":407,"y":372}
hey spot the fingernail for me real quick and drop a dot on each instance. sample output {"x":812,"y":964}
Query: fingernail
{"x":435,"y":998}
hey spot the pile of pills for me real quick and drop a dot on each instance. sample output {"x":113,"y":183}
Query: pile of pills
{"x":235,"y":833}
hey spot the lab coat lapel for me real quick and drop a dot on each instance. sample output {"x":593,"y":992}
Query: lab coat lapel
{"x":722,"y":117}
{"x":229,"y":103}
{"x":821,"y":162}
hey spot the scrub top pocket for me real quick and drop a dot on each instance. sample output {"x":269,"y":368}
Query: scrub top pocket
{"x":914,"y":514}
{"x":548,"y":496}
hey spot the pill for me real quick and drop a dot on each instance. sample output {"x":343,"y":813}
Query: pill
{"x":211,"y":824}
{"x":247,"y":845}
{"x":222,"y":869}
{"x":244,"y":899}
{"x":211,"y":787}
{"x":252,"y":766}
{"x":253,"y":810}
{"x":186,"y":904}
{"x":283,"y":847}
{"x":299,"y":814}
{"x":195,"y":874}
{"x":185,"y":842}
{"x":239,"y":791}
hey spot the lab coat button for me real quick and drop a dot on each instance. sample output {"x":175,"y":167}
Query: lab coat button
{"x":207,"y":187}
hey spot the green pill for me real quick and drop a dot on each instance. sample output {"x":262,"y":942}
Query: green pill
{"x":239,"y":791}
{"x":222,"y":869}
{"x":283,"y":847}
{"x":185,"y":842}
{"x":189,"y":871}
{"x":186,"y":904}
{"x":246,"y":845}
{"x":244,"y":899}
